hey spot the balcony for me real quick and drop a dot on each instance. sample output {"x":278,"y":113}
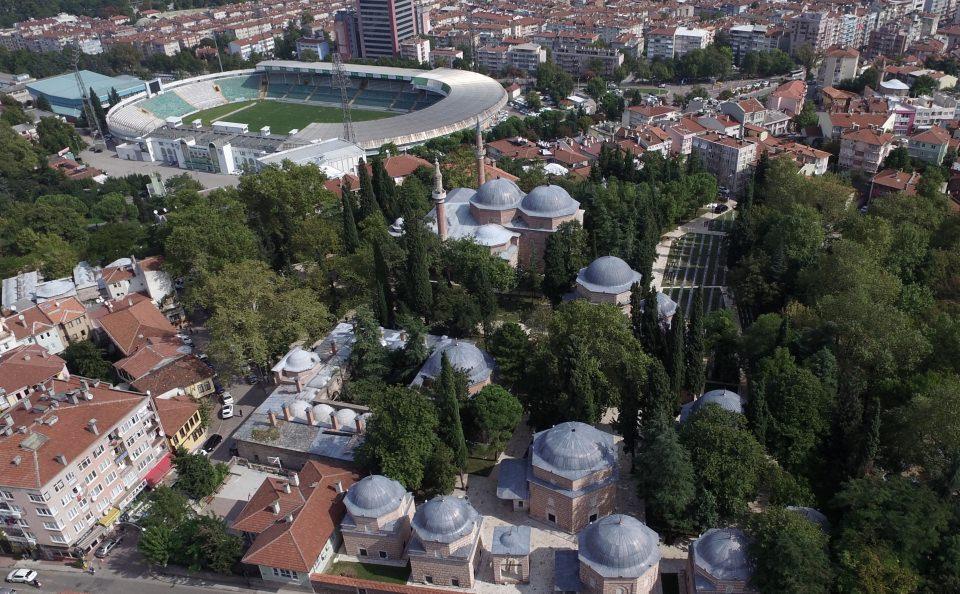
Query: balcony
{"x":10,"y":513}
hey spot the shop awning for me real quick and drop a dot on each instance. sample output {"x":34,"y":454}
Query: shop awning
{"x":111,"y":516}
{"x":160,"y":470}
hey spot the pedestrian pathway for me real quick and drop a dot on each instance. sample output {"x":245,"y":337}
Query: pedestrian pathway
{"x":700,"y":224}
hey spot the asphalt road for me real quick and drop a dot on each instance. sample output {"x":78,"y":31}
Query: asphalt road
{"x":714,"y":90}
{"x":104,"y":583}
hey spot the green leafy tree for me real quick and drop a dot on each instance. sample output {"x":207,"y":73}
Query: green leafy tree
{"x":156,"y":544}
{"x":565,"y":254}
{"x":197,"y":475}
{"x":789,"y":553}
{"x":351,"y":237}
{"x":368,"y":358}
{"x":440,"y":474}
{"x":509,"y":345}
{"x":86,"y":359}
{"x":448,"y":391}
{"x":98,"y":111}
{"x":493,"y":414}
{"x":56,"y":135}
{"x":368,"y":199}
{"x":400,"y":438}
{"x":665,"y":481}
{"x":726,"y":456}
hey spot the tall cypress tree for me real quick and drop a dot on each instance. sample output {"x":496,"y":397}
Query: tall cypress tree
{"x":419,"y":293}
{"x":351,"y":238}
{"x":628,"y":417}
{"x":658,"y":407}
{"x":695,"y":374}
{"x":650,"y":333}
{"x":368,"y":200}
{"x":448,"y":410}
{"x":676,"y":353}
{"x":384,"y":188}
{"x":586,"y":384}
{"x":757,"y":410}
{"x":381,"y":287}
{"x":98,"y":111}
{"x":114,"y":96}
{"x":636,"y":309}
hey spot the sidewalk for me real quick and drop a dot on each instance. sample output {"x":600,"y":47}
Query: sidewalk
{"x":697,"y":225}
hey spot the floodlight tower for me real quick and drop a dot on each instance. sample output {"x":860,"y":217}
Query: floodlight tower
{"x":342,"y":81}
{"x":92,"y":121}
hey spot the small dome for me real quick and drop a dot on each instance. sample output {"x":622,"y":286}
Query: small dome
{"x":444,"y":519}
{"x":619,"y":546}
{"x":812,"y":515}
{"x":608,"y":274}
{"x":323,"y":413}
{"x":497,"y":194}
{"x":549,"y":201}
{"x":299,"y":408}
{"x":666,"y":306}
{"x":725,"y":399}
{"x":345,"y":419}
{"x":512,"y":539}
{"x":722,"y":553}
{"x":463,"y":356}
{"x":570,"y":446}
{"x":491,"y":235}
{"x":374,"y":496}
{"x":300,"y":360}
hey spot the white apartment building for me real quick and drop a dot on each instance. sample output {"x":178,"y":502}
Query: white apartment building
{"x":527,"y":56}
{"x":674,"y":42}
{"x":752,"y":38}
{"x":416,"y":49}
{"x":731,"y":160}
{"x":75,"y":454}
{"x":818,"y":30}
{"x":839,"y":64}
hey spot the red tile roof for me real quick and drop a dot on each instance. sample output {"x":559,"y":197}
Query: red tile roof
{"x":175,"y":412}
{"x":38,"y":448}
{"x":154,"y":353}
{"x":137,"y":320}
{"x":27,"y":366}
{"x":181,"y":373}
{"x":296,"y":544}
{"x":27,"y":323}
{"x":62,"y":311}
{"x":873,"y":137}
{"x":935,"y":135}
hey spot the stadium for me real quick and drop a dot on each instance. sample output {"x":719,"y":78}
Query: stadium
{"x":284,"y":105}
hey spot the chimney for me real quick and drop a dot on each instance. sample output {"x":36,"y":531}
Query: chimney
{"x":23,"y":320}
{"x":110,"y":306}
{"x":359,"y":423}
{"x":286,"y":487}
{"x":295,"y":479}
{"x":275,"y":506}
{"x":287,"y":415}
{"x":338,"y":487}
{"x":289,"y":518}
{"x":311,"y":418}
{"x":61,"y":459}
{"x":16,"y":460}
{"x":333,"y":347}
{"x":130,"y":302}
{"x":92,"y":426}
{"x":27,"y":405}
{"x":334,"y":421}
{"x":73,"y":398}
{"x":273,"y":418}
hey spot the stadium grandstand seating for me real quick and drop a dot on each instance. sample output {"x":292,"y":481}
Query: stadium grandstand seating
{"x":278,"y":90}
{"x":166,"y":105}
{"x":240,"y":88}
{"x":202,"y":95}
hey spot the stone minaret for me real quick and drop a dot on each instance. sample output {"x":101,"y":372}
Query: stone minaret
{"x":440,"y":199}
{"x":481,"y":153}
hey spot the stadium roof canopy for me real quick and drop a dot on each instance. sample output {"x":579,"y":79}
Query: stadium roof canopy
{"x":65,"y":96}
{"x":468,"y":95}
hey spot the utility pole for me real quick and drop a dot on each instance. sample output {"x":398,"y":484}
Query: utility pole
{"x":342,"y":81}
{"x":93,"y":123}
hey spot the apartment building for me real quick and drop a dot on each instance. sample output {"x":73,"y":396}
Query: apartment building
{"x":930,"y":146}
{"x":527,"y":56}
{"x":580,"y":60}
{"x":181,"y":421}
{"x":674,"y":42}
{"x":788,"y":97}
{"x":51,"y":324}
{"x":731,"y":160}
{"x":838,"y":64}
{"x":864,"y":150}
{"x":416,"y":49}
{"x":640,"y":115}
{"x":383,"y":24}
{"x":23,"y":367}
{"x":816,"y":30}
{"x":76,"y":453}
{"x":262,"y":44}
{"x":753,"y":38}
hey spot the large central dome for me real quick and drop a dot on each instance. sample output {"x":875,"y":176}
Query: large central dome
{"x":374,"y":496}
{"x":444,"y":519}
{"x":608,"y":274}
{"x":619,"y":546}
{"x":463,"y":356}
{"x":497,"y":194}
{"x":722,"y":553}
{"x":549,"y":201}
{"x":570,"y":447}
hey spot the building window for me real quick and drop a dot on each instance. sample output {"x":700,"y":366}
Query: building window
{"x":552,"y":518}
{"x":98,"y":451}
{"x":36,"y":497}
{"x":362,"y":552}
{"x":593,"y":517}
{"x":6,"y":494}
{"x":455,"y":582}
{"x":428,"y":579}
{"x":383,"y":554}
{"x":286,"y":573}
{"x":43,"y":511}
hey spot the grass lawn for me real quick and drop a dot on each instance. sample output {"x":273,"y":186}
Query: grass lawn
{"x":208,"y":116}
{"x":482,"y":458}
{"x":283,"y":117}
{"x":371,"y":571}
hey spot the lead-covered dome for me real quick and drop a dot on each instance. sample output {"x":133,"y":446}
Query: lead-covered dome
{"x":572,"y":449}
{"x":492,"y":234}
{"x":548,"y":201}
{"x":300,"y":360}
{"x":323,"y":412}
{"x":299,"y":408}
{"x":374,"y":496}
{"x":444,"y":519}
{"x":725,"y":399}
{"x":463,"y":356}
{"x":608,"y":274}
{"x":497,"y":194}
{"x":722,"y":554}
{"x":346,"y":419}
{"x":619,"y":546}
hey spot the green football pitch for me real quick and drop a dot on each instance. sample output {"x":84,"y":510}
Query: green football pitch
{"x":281,"y":117}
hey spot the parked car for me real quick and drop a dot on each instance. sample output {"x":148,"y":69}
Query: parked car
{"x":106,"y":547}
{"x":185,"y":339}
{"x":226,"y":398}
{"x":211,"y":444}
{"x":21,"y":576}
{"x":226,"y":411}
{"x":721,"y":208}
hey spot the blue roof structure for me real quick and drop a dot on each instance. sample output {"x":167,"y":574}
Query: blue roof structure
{"x":725,"y":399}
{"x":608,"y":274}
{"x":511,"y":540}
{"x":512,"y":480}
{"x":65,"y":94}
{"x":619,"y":546}
{"x":566,"y":571}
